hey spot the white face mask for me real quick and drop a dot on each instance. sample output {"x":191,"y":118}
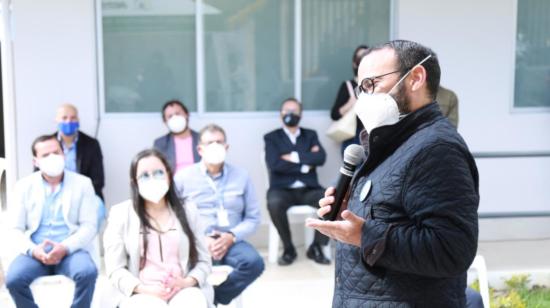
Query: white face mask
{"x":214,"y":153}
{"x":52,"y":165}
{"x":379,"y":109}
{"x":375,"y":110}
{"x":153,"y":189}
{"x":177,"y":124}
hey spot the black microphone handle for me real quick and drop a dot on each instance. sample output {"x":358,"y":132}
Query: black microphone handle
{"x":341,"y":189}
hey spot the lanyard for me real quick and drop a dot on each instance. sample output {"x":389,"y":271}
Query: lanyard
{"x":218,"y":192}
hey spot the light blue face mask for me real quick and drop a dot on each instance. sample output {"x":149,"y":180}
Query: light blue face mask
{"x":68,"y":128}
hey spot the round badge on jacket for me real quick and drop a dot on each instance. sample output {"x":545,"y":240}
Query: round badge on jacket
{"x":365,"y":190}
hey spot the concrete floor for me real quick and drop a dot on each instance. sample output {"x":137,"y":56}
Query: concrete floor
{"x":302,"y":284}
{"x":307,"y":284}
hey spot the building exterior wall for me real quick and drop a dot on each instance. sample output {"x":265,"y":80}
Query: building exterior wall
{"x":54,"y":44}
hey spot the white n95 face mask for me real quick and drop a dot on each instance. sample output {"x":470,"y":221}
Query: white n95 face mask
{"x":153,"y":189}
{"x":177,"y":124}
{"x":380,"y":109}
{"x":375,"y":110}
{"x":214,"y":153}
{"x":52,"y":165}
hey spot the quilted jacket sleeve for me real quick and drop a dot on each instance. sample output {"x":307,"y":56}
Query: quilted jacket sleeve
{"x":440,"y":197}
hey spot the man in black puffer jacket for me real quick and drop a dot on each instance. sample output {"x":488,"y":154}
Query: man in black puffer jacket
{"x":410,"y":231}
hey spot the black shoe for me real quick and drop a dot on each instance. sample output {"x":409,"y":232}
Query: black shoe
{"x":287,"y":258}
{"x":315,"y":253}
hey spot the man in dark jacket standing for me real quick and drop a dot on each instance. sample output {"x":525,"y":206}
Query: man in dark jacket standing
{"x":292,"y":154}
{"x":410,"y":230}
{"x":82,"y":152}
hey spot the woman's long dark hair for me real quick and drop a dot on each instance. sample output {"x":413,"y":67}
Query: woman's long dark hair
{"x":173,"y":202}
{"x":356,"y":58}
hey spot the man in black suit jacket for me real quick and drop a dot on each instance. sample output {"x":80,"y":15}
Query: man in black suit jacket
{"x":88,"y":159}
{"x":292,"y":154}
{"x":180,"y":144}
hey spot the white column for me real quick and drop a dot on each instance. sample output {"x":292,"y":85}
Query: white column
{"x":199,"y":32}
{"x":298,"y":49}
{"x":8,"y":99}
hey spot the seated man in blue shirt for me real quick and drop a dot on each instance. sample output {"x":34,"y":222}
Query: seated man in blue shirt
{"x":54,"y":219}
{"x":227,"y":202}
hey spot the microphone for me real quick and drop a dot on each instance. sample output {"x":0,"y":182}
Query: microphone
{"x":353,"y":157}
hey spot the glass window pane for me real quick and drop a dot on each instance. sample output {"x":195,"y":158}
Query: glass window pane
{"x":248,"y":54}
{"x":532,"y":78}
{"x":149,"y":54}
{"x":331,"y":30}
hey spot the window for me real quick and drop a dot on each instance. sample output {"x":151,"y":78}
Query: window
{"x":148,"y":54}
{"x":331,"y":30}
{"x":249,"y":54}
{"x":532,"y":75}
{"x":247,"y":51}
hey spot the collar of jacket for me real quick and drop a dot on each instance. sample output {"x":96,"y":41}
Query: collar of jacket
{"x":384,"y":140}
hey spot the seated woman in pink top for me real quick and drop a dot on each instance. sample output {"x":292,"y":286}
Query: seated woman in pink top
{"x":152,"y":252}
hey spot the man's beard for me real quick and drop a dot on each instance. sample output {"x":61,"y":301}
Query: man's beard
{"x":402,"y":100}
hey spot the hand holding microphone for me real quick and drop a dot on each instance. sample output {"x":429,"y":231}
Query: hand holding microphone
{"x":354,"y":155}
{"x":347,"y":230}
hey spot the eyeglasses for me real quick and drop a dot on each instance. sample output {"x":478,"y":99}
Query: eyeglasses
{"x":367,"y":85}
{"x":155,"y":174}
{"x":213,"y":141}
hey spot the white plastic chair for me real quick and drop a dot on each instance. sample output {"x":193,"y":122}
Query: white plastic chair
{"x":58,"y":290}
{"x":481,"y":269}
{"x":218,"y":276}
{"x":53,"y":291}
{"x":295,"y":210}
{"x":274,"y":239}
{"x":3,"y":168}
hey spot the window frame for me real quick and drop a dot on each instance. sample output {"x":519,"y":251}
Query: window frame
{"x":512,"y":88}
{"x":200,"y":68}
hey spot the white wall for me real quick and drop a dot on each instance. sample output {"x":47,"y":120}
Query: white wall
{"x":475,"y":42}
{"x":54,"y":47}
{"x":54,"y":62}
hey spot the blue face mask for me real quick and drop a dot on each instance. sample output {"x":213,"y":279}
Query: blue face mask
{"x":68,"y":128}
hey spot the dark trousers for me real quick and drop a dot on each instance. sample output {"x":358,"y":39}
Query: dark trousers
{"x":247,"y":265}
{"x":280,"y":200}
{"x":78,"y":266}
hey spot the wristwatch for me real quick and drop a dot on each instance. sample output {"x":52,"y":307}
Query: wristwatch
{"x":234,"y":237}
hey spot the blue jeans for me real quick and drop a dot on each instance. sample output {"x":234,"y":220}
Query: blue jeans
{"x":78,"y":266}
{"x":473,"y":299}
{"x":247,"y":266}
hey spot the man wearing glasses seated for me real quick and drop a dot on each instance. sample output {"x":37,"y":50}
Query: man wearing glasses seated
{"x":227,"y":202}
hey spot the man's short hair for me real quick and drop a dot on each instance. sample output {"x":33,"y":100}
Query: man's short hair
{"x":42,"y":139}
{"x":410,"y":54}
{"x":173,"y":102}
{"x":212,"y":128}
{"x":290,"y":99}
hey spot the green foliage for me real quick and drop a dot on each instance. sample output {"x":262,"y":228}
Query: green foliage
{"x":475,"y":285}
{"x":518,"y":294}
{"x":537,"y":297}
{"x":510,"y":300}
{"x":517,"y":282}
